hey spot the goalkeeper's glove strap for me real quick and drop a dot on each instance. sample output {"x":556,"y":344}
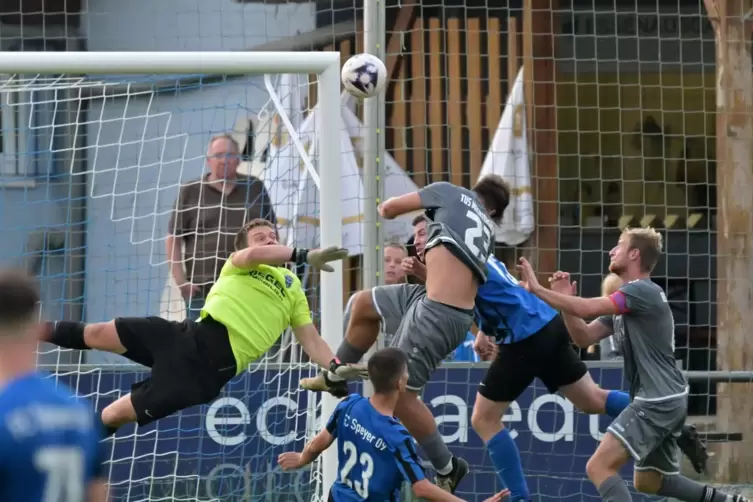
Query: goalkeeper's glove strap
{"x":299,"y":256}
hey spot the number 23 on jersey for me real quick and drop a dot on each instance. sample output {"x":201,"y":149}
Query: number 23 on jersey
{"x":359,"y":483}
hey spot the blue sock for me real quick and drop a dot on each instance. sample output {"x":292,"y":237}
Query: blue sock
{"x":506,"y":459}
{"x":616,"y":402}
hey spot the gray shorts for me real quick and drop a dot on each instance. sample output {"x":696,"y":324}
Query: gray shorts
{"x":649,"y":430}
{"x":429,"y":332}
{"x":392,"y":303}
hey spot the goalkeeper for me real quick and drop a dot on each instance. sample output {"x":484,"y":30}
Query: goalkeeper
{"x":252,"y":303}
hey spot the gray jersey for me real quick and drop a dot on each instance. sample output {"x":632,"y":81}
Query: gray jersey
{"x":459,"y":222}
{"x":645,"y":334}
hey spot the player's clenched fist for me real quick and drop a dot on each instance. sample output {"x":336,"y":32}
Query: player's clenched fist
{"x":560,"y":283}
{"x":485,"y":346}
{"x":414,"y":266}
{"x":318,"y":258}
{"x":290,"y":460}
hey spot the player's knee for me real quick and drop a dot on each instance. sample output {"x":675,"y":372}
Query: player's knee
{"x":103,"y":336}
{"x":487,"y":421}
{"x":363,"y":307}
{"x":596,"y":470}
{"x":647,"y":481}
{"x":119,"y":413}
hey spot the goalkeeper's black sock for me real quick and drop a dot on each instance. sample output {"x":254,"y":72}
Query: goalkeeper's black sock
{"x":349,"y":354}
{"x":67,"y":334}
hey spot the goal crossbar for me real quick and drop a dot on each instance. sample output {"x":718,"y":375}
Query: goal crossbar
{"x":325,"y":64}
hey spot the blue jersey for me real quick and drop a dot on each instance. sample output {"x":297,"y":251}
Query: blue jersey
{"x":375,"y":453}
{"x":506,"y":310}
{"x":49,"y":443}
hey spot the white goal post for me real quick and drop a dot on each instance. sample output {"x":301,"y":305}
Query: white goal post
{"x":325,"y":64}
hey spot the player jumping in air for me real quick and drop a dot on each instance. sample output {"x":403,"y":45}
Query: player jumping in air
{"x":648,"y":429}
{"x":434,"y":319}
{"x":252,"y":303}
{"x":50,"y":442}
{"x":375,"y":452}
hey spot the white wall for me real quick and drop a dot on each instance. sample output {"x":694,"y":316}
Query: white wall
{"x":190,"y":25}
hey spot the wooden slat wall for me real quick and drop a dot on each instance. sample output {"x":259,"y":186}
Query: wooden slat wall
{"x":447,"y":101}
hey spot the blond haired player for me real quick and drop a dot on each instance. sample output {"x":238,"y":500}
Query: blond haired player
{"x":648,"y":429}
{"x":252,"y":303}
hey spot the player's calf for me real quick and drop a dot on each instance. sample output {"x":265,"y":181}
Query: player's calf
{"x":80,"y":336}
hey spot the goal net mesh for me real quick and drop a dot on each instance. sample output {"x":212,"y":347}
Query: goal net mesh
{"x":126,"y":145}
{"x":623,"y":132}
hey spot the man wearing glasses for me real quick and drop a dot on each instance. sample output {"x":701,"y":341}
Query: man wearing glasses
{"x":208,"y":213}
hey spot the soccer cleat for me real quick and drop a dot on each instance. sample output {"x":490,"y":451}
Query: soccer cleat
{"x":450,"y":482}
{"x":691,"y":445}
{"x":320,"y":383}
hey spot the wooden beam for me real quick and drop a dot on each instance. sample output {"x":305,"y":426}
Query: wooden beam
{"x":539,"y":68}
{"x":734,"y":150}
{"x":406,"y":17}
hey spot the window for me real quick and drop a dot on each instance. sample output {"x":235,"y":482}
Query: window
{"x":13,"y":132}
{"x":30,"y":132}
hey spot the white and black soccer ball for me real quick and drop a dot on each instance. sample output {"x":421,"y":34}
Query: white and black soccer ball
{"x":364,"y":75}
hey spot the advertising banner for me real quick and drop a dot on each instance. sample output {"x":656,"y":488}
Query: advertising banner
{"x":228,"y":450}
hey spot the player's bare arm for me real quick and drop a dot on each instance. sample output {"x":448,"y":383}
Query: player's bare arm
{"x":277,"y":255}
{"x":314,"y":345}
{"x":295,"y":460}
{"x":583,"y":334}
{"x":574,"y":305}
{"x":426,"y":490}
{"x":398,"y":206}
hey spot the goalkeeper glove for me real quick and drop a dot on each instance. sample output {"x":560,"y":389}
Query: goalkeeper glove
{"x":318,"y":258}
{"x":339,"y":371}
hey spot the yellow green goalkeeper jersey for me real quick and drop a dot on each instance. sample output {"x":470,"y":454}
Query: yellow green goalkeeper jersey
{"x":256,"y":306}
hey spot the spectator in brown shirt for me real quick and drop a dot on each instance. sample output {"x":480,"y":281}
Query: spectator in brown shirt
{"x":208,"y":214}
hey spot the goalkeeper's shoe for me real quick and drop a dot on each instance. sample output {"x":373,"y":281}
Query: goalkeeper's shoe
{"x":323,"y":383}
{"x":691,"y":445}
{"x":450,"y":482}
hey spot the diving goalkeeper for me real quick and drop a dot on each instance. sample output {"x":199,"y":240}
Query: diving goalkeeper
{"x":252,"y":303}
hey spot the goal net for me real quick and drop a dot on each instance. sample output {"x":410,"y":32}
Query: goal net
{"x":109,"y":161}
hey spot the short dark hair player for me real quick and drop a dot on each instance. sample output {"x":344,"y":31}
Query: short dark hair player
{"x":375,"y":452}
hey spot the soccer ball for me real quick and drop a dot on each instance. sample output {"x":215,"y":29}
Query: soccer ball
{"x":364,"y":75}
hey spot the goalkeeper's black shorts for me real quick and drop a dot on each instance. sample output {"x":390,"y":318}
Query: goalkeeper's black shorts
{"x":191,"y":362}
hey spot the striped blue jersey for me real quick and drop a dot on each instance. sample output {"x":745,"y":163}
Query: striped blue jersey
{"x":375,"y":453}
{"x":49,"y":442}
{"x":504,"y":309}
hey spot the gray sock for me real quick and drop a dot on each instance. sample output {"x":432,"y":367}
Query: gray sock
{"x":614,"y":489}
{"x":347,"y":353}
{"x":437,"y":452}
{"x":682,"y":488}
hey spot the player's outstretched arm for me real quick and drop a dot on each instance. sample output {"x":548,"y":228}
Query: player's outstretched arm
{"x":277,"y":255}
{"x":584,"y":335}
{"x":294,"y":460}
{"x":574,"y":305}
{"x":398,"y":206}
{"x":428,"y":491}
{"x":314,"y":345}
{"x":321,"y":353}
